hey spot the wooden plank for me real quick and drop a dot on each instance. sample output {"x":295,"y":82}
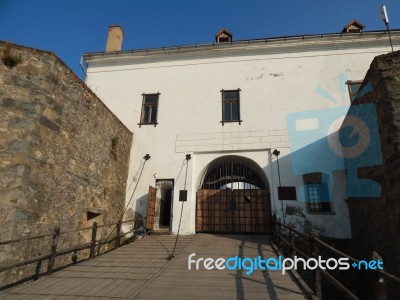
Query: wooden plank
{"x":151,"y":207}
{"x":237,"y":211}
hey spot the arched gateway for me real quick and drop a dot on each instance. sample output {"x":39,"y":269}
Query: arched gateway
{"x":233,"y":197}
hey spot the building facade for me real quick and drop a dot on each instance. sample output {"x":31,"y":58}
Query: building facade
{"x":229,"y":105}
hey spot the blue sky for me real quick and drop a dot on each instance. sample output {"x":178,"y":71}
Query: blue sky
{"x":70,"y":28}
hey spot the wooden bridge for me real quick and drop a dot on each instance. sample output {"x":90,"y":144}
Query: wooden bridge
{"x":141,"y":270}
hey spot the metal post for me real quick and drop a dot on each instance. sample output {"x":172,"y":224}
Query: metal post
{"x":37,"y":269}
{"x":54,"y":243}
{"x":279,"y":236}
{"x":291,"y":233}
{"x":318,"y":287}
{"x":118,"y":237}
{"x":276,"y":153}
{"x":380,"y":283}
{"x":390,"y":37}
{"x":93,"y":240}
{"x":385,"y":19}
{"x":188,"y":157}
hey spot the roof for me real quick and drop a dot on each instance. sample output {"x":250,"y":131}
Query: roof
{"x":353,"y":23}
{"x":373,"y":35}
{"x":223,"y":30}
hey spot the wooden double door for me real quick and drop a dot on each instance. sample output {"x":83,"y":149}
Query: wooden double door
{"x":233,"y":211}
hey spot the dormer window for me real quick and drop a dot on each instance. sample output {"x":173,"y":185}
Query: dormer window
{"x":223,"y":39}
{"x":223,"y":36}
{"x":353,"y":27}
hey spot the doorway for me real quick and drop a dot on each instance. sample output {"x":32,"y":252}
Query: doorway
{"x":164,"y":203}
{"x":233,"y":198}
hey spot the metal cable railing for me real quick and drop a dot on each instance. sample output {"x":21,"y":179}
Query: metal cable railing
{"x":287,"y":238}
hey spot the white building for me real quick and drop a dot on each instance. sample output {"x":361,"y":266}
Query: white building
{"x":229,"y":105}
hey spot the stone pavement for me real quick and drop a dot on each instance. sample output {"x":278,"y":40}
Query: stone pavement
{"x":141,"y":270}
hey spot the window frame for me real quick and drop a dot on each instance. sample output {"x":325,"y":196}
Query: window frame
{"x":223,"y":102}
{"x":317,"y":182}
{"x":350,"y":83}
{"x":144,"y":105}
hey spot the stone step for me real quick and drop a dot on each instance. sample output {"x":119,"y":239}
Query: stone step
{"x":161,"y":231}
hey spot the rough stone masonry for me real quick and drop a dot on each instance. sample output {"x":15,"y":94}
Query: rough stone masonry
{"x":63,"y":155}
{"x":375,"y":222}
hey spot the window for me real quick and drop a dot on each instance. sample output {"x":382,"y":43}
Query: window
{"x":354,"y":87}
{"x":314,"y":198}
{"x":149,"y":109}
{"x":223,"y":36}
{"x":223,"y":39}
{"x":317,"y":194}
{"x":230,"y":106}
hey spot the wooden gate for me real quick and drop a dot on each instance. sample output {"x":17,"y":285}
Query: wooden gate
{"x":151,"y":207}
{"x":233,"y":211}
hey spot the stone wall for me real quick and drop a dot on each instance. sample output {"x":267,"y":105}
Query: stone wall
{"x":63,"y":155}
{"x":375,"y":222}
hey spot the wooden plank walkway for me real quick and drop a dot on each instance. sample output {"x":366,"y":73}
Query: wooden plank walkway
{"x":141,"y":270}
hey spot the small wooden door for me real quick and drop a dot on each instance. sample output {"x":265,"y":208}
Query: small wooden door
{"x":151,"y":207}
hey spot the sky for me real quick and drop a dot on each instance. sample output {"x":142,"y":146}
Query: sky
{"x":70,"y":28}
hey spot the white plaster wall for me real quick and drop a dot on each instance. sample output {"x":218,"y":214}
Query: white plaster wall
{"x":189,"y":115}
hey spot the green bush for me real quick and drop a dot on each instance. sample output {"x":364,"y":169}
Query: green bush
{"x":10,"y":60}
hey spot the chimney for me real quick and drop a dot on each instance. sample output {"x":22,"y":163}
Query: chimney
{"x":114,"y":38}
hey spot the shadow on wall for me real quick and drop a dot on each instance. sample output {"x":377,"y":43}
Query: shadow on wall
{"x":141,"y":211}
{"x":323,"y":142}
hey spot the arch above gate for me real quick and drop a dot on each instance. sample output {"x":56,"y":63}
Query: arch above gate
{"x":234,"y":172}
